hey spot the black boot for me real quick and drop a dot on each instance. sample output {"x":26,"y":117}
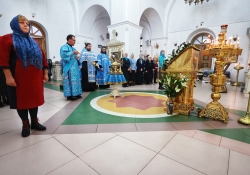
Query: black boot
{"x":70,"y":98}
{"x":26,"y":128}
{"x":36,"y":125}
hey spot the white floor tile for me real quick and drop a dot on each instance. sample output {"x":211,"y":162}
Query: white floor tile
{"x":152,"y":140}
{"x":81,"y":143}
{"x":59,"y":104}
{"x":238,"y":164}
{"x":9,"y":114}
{"x":118,"y":156}
{"x":75,"y":167}
{"x":10,"y":125}
{"x":46,"y":115}
{"x":204,"y":157}
{"x":38,"y":159}
{"x":14,"y":141}
{"x":161,"y":165}
{"x":46,"y":107}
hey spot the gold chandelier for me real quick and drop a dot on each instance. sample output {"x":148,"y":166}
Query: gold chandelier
{"x":196,"y":2}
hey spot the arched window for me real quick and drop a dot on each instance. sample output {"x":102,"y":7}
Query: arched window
{"x":200,"y":41}
{"x":38,"y":34}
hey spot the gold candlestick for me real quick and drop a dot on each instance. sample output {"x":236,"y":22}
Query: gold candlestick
{"x":221,"y":50}
{"x":246,"y":119}
{"x":238,"y":68}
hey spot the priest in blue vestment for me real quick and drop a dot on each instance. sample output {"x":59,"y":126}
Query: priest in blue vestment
{"x":71,"y":71}
{"x":89,"y":65}
{"x":103,"y":71}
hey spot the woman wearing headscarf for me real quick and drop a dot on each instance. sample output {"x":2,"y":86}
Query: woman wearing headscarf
{"x":149,"y":68}
{"x":132,"y":70}
{"x":24,"y":65}
{"x":161,"y":59}
{"x":140,"y":66}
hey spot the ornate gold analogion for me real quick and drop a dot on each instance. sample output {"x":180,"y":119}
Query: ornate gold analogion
{"x":246,"y":119}
{"x":221,"y":50}
{"x":115,"y":77}
{"x":186,"y":64}
{"x":228,"y":62}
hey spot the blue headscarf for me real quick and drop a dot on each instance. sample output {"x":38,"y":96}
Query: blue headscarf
{"x":161,"y":55}
{"x":26,"y":48}
{"x":161,"y":59}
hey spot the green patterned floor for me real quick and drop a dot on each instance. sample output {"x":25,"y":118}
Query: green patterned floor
{"x":85,"y":114}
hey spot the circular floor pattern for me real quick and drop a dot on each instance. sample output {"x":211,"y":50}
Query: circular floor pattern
{"x":132,"y":105}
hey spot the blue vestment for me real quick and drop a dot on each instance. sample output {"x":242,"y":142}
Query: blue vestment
{"x":71,"y":72}
{"x":104,"y":62}
{"x":90,"y":58}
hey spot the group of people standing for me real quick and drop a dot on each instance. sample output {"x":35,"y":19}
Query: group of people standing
{"x":81,"y":71}
{"x":142,"y":71}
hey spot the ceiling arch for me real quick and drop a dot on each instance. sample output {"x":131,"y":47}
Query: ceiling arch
{"x":91,"y":19}
{"x":150,"y":19}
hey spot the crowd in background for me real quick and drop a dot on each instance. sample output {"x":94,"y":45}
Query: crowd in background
{"x":143,"y":70}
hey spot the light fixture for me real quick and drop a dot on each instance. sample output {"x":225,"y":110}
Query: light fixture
{"x":196,"y":2}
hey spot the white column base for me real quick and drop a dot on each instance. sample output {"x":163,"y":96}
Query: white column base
{"x":247,"y":84}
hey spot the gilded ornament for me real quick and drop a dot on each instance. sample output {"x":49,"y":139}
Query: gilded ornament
{"x":221,"y":50}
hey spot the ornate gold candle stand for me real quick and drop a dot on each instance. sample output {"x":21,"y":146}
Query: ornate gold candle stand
{"x":238,"y":67}
{"x":246,"y":119}
{"x":115,"y":70}
{"x":219,"y":50}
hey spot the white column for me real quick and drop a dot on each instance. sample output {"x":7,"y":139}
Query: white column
{"x":247,"y":74}
{"x":130,"y":34}
{"x":247,"y":84}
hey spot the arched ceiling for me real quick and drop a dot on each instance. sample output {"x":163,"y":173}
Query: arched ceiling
{"x":152,"y":21}
{"x":93,"y":16}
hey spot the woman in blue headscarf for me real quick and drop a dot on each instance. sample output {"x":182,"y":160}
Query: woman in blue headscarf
{"x":24,"y":65}
{"x":161,"y":59}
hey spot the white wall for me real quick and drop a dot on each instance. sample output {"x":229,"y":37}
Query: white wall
{"x":152,"y":30}
{"x":213,"y":13}
{"x":130,"y":34}
{"x":93,"y":23}
{"x":58,"y":21}
{"x":100,"y":29}
{"x":167,"y":21}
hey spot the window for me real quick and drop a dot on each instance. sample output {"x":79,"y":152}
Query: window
{"x":200,"y":41}
{"x":38,"y":34}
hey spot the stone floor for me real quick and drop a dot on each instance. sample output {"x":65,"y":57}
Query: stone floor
{"x":108,"y":144}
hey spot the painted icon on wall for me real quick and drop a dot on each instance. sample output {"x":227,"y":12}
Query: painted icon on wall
{"x":205,"y":65}
{"x":205,"y":57}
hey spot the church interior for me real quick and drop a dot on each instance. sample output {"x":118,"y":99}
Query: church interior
{"x":189,"y":114}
